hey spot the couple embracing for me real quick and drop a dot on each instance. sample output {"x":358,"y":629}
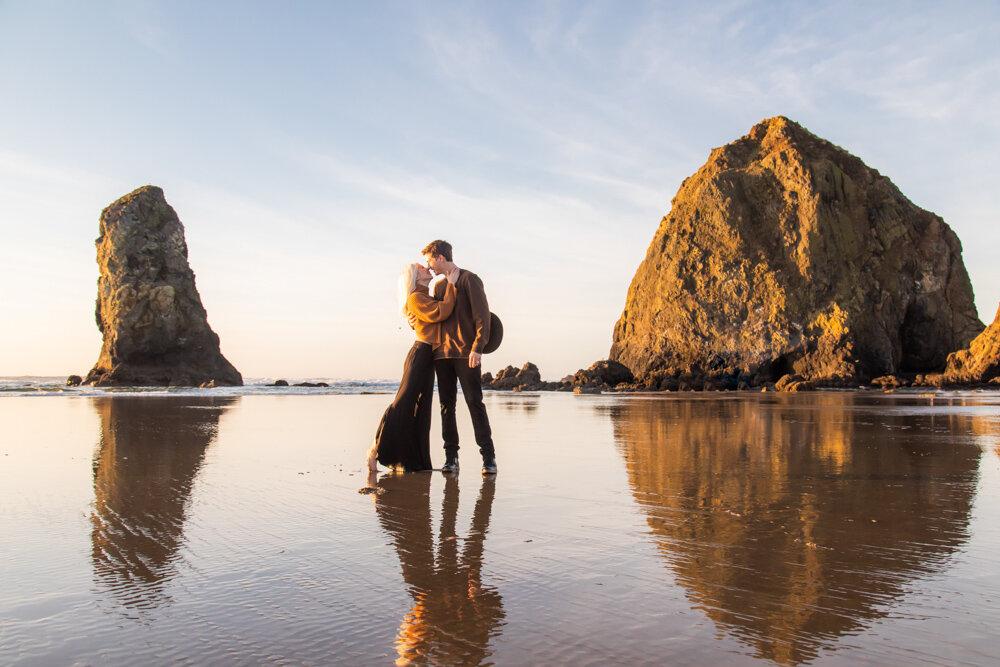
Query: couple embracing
{"x":451,"y":321}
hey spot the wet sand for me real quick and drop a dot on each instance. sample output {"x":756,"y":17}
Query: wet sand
{"x":825,"y":528}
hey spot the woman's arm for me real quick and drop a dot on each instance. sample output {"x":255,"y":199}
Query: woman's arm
{"x":427,"y":308}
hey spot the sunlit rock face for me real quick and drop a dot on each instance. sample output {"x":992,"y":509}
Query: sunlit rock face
{"x":786,"y":254}
{"x":792,"y":520}
{"x":981,"y":361}
{"x":155,"y":328}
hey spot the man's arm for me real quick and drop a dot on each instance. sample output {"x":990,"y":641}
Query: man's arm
{"x":480,"y":316}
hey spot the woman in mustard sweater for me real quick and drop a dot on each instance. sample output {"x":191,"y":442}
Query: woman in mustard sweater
{"x":403,"y":439}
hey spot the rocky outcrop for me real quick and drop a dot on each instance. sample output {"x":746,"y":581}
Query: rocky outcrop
{"x":527,"y":377}
{"x":785,"y":254}
{"x":603,"y":372}
{"x":602,"y":375}
{"x":155,"y":328}
{"x":980,"y":363}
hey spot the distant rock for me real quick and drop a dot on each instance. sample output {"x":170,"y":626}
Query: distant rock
{"x":603,"y":372}
{"x":526,"y":378}
{"x":74,"y":381}
{"x":980,"y":362}
{"x":785,"y":254}
{"x":279,"y":383}
{"x":311,"y":384}
{"x":155,"y":328}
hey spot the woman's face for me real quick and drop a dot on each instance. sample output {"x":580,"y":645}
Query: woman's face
{"x":423,"y":275}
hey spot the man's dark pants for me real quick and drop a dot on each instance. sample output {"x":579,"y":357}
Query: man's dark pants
{"x":449,"y":373}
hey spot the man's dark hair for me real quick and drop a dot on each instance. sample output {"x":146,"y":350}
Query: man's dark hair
{"x":438,"y":247}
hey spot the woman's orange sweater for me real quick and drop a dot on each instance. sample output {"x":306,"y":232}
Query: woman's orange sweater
{"x":430,"y":313}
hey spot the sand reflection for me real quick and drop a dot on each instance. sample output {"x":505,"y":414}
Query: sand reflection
{"x":792,"y":521}
{"x":150,"y":451}
{"x":454,"y":616}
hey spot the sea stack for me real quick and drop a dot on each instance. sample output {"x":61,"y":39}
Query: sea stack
{"x":785,"y":254}
{"x":155,"y":328}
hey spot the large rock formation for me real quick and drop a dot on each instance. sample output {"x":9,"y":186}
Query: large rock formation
{"x":786,"y":254}
{"x":981,"y":361}
{"x":155,"y":328}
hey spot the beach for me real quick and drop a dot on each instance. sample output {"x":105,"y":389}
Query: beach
{"x":192,"y":527}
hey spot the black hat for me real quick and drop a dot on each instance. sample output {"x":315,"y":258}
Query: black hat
{"x":496,"y":334}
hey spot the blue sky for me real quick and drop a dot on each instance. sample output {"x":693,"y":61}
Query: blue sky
{"x":312,"y":149}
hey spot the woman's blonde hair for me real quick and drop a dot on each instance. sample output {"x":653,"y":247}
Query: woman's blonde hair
{"x":407,"y":283}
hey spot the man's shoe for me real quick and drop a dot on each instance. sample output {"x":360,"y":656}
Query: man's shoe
{"x":489,"y":466}
{"x":450,"y":463}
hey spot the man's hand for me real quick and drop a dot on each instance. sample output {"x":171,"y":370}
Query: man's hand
{"x":474,"y":359}
{"x":412,"y":319}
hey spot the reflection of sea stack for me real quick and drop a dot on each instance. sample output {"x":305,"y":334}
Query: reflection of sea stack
{"x":155,"y":329}
{"x":149,"y":454}
{"x":786,"y":254}
{"x":791,"y":532}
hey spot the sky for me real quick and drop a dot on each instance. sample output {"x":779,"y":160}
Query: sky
{"x":312,"y":149}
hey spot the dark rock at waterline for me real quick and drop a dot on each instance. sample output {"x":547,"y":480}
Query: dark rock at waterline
{"x":74,"y":381}
{"x":279,"y":383}
{"x":785,"y":254}
{"x":155,"y":328}
{"x":603,"y":372}
{"x":310,"y":384}
{"x":891,"y":381}
{"x":526,"y":378}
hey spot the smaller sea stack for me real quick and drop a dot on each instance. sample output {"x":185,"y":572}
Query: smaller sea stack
{"x":155,"y":328}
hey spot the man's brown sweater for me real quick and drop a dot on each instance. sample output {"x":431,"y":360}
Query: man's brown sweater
{"x":468,"y":328}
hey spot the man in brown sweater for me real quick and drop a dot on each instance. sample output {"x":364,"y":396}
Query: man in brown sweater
{"x":458,"y":358}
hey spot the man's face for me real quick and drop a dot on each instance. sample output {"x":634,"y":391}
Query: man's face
{"x":434,"y":262}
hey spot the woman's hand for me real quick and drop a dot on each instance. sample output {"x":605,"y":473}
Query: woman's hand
{"x":453,"y":275}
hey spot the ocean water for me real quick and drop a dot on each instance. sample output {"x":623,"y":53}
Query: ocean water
{"x":179,"y":527}
{"x":56,"y":386}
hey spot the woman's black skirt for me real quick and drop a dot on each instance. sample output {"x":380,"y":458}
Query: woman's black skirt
{"x":404,"y":434}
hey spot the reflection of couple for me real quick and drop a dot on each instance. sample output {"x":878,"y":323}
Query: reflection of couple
{"x":451,"y":321}
{"x":454,"y":616}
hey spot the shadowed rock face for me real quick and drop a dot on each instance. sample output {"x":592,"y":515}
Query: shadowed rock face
{"x":979,"y":363}
{"x":786,"y":254}
{"x":155,"y":329}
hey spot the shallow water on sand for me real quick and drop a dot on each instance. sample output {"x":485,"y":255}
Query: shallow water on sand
{"x":831,"y":527}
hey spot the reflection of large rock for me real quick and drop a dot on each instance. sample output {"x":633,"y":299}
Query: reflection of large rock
{"x":786,"y":254}
{"x":144,"y":467}
{"x":155,"y":329}
{"x":981,"y":361}
{"x":795,"y":519}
